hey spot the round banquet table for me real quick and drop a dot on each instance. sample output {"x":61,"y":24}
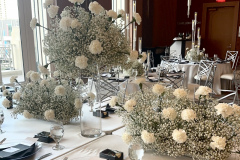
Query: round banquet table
{"x":191,"y":70}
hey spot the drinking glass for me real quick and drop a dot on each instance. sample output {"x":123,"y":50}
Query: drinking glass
{"x":57,"y":132}
{"x":135,"y":73}
{"x":206,"y":56}
{"x":215,"y":57}
{"x":135,"y":151}
{"x":1,"y":121}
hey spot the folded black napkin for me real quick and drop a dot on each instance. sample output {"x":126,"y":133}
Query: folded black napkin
{"x":20,"y":152}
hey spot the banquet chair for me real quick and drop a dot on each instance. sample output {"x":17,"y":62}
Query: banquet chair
{"x":208,"y":82}
{"x":204,"y":69}
{"x":232,"y":57}
{"x":170,"y":73}
{"x":235,"y":80}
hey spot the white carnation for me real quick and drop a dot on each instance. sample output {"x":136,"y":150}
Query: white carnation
{"x":6,"y":103}
{"x":77,"y":1}
{"x":129,"y":105}
{"x":95,"y":47}
{"x":47,"y":3}
{"x":224,"y":109}
{"x":127,"y":138}
{"x":60,"y":90}
{"x":133,"y":55}
{"x":78,"y":103}
{"x":95,"y":8}
{"x":203,"y":90}
{"x":180,"y":93}
{"x":188,"y":115}
{"x":91,"y":96}
{"x":122,"y":13}
{"x":65,"y":23}
{"x":144,"y":57}
{"x":75,"y":23}
{"x":43,"y":70}
{"x":147,"y":137}
{"x":44,"y":82}
{"x":138,"y":18}
{"x":158,"y":89}
{"x":112,"y":14}
{"x":169,"y":113}
{"x":179,"y":136}
{"x":33,"y":23}
{"x":49,"y":114}
{"x":113,"y":101}
{"x":17,"y":96}
{"x":27,"y":115}
{"x":34,"y":76}
{"x":13,"y":79}
{"x":29,"y":73}
{"x":218,"y":142}
{"x":5,"y":93}
{"x":140,"y":80}
{"x":52,"y":11}
{"x":56,"y":74}
{"x":81,"y":62}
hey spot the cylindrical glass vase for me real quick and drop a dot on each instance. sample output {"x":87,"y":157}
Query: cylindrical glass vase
{"x":91,"y":126}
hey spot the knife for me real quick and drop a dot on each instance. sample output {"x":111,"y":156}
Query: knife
{"x":44,"y":156}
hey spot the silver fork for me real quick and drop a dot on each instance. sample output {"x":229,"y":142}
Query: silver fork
{"x":4,"y":139}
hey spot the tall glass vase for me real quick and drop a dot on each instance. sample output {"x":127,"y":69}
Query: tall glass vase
{"x":90,"y":116}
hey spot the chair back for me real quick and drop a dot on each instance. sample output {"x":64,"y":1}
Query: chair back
{"x":210,"y":77}
{"x":204,"y":68}
{"x":232,"y":56}
{"x":169,"y":64}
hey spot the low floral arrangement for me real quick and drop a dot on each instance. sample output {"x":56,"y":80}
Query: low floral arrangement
{"x":47,"y":99}
{"x":78,"y":41}
{"x":166,"y":121}
{"x":193,"y":55}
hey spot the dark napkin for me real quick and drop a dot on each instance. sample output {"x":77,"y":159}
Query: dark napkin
{"x":23,"y":151}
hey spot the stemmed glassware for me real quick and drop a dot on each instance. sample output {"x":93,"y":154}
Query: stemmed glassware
{"x":57,"y":132}
{"x":1,"y":121}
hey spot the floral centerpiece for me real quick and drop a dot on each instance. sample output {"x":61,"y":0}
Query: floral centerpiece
{"x":80,"y":41}
{"x":193,"y":55}
{"x":166,"y":121}
{"x":47,"y":99}
{"x":135,"y":62}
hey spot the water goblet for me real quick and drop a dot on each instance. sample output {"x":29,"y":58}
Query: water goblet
{"x":57,"y":132}
{"x":135,"y":73}
{"x":1,"y":121}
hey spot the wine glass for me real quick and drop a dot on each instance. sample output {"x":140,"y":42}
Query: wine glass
{"x":1,"y":121}
{"x":135,"y":73}
{"x":57,"y":132}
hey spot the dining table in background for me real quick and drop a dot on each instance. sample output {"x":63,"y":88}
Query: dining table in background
{"x":17,"y":130}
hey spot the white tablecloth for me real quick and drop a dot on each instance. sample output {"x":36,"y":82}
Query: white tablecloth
{"x":19,"y":129}
{"x":91,"y":151}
